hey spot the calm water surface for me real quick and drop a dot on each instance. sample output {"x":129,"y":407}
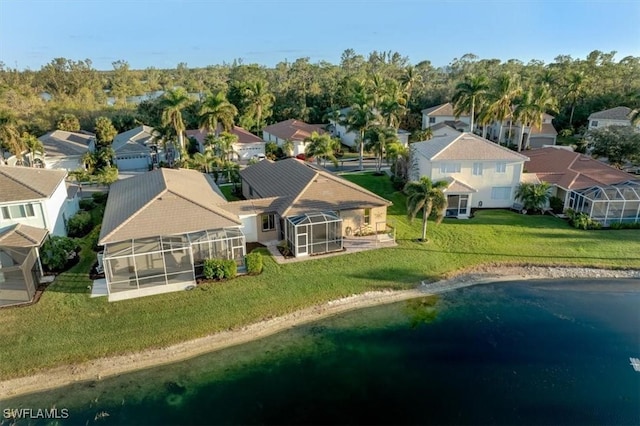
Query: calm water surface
{"x":543,"y":352}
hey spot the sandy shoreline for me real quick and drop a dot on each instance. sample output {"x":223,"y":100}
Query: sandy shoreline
{"x":111,"y":366}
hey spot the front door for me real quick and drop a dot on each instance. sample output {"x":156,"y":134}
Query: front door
{"x":301,"y":246}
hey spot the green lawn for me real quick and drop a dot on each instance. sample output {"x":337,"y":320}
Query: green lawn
{"x":66,"y":326}
{"x":227,"y":190}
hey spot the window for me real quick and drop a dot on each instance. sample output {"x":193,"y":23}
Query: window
{"x":432,"y":120}
{"x":268,"y":222}
{"x":501,"y":167}
{"x":501,"y":193}
{"x":367,"y":216}
{"x":450,"y":168}
{"x":594,"y":123}
{"x":18,"y":211}
{"x":477,"y":169}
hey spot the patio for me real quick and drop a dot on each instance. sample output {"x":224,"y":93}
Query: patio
{"x":618,"y":203}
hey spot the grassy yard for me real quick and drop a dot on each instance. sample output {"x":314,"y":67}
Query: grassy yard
{"x":66,"y":326}
{"x":227,"y":190}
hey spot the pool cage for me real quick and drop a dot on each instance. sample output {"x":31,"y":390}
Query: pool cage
{"x":19,"y":274}
{"x":619,"y":203}
{"x":165,"y":260}
{"x":314,"y":233}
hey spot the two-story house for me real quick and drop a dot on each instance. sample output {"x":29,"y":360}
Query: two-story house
{"x":350,"y":138}
{"x":480,"y":173}
{"x":443,"y":113}
{"x":33,"y":203}
{"x":618,"y":116}
{"x":508,"y":133}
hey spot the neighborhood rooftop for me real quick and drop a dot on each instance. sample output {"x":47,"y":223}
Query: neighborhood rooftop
{"x":572,"y":170}
{"x":177,"y":201}
{"x":464,"y":146}
{"x":293,"y":129}
{"x":134,"y":140}
{"x":21,"y":235}
{"x":25,"y":183}
{"x":445,"y":109}
{"x":617,"y":113}
{"x":63,"y":143}
{"x":243,"y":135}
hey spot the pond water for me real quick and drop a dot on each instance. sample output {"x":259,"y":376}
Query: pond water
{"x":538,"y":352}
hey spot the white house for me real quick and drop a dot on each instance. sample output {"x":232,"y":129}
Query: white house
{"x":443,"y":113}
{"x":480,"y":173}
{"x":135,"y":149}
{"x":349,"y":138}
{"x":247,"y":146}
{"x":531,"y":136}
{"x":294,"y":130}
{"x":618,"y":116}
{"x":64,"y":150}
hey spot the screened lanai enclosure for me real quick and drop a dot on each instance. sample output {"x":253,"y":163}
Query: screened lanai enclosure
{"x":19,"y":274}
{"x":314,"y":233}
{"x":619,"y":203}
{"x":164,"y":263}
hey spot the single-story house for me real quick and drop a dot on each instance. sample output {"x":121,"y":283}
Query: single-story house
{"x":33,"y":203}
{"x":294,"y":130}
{"x":309,"y":207}
{"x":348,"y":138}
{"x":579,"y":180}
{"x":136,"y":149}
{"x":618,"y":116}
{"x":480,"y":173}
{"x":443,"y":113}
{"x":248,"y":145}
{"x":64,"y":150}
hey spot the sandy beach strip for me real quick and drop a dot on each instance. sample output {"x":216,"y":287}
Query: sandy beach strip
{"x":110,"y":366}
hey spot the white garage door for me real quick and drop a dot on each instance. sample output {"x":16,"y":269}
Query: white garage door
{"x":539,"y":141}
{"x":131,"y":163}
{"x":249,"y":151}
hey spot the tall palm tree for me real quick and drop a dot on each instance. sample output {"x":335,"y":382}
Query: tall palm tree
{"x":287,"y":147}
{"x":205,"y":162}
{"x":409,"y":79}
{"x":469,"y":94}
{"x":217,"y":109}
{"x":530,"y":109}
{"x":501,"y":98}
{"x":224,"y":145}
{"x":172,"y":104}
{"x":395,"y":152}
{"x":576,"y":86}
{"x":393,"y":106}
{"x":378,"y":139}
{"x":34,"y":145}
{"x":322,"y":146}
{"x":358,"y":120}
{"x":259,"y":101}
{"x":426,"y":195}
{"x":9,"y":135}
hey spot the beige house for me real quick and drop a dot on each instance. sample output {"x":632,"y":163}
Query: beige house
{"x":443,"y":113}
{"x":309,"y":207}
{"x":294,"y":130}
{"x":247,"y":147}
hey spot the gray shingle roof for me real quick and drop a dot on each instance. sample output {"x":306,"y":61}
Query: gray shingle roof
{"x":305,"y":188}
{"x":60,"y":143}
{"x":21,"y":235}
{"x":26,"y":183}
{"x":163,"y":202}
{"x":464,"y":146}
{"x":617,"y":113}
{"x":442,"y":110}
{"x":134,"y":140}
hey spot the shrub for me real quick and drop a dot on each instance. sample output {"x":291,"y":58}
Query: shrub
{"x":218,"y":269}
{"x":58,"y":252}
{"x":581,"y":220}
{"x":80,"y":224}
{"x":99,"y":197}
{"x":254,"y":263}
{"x":556,"y":204}
{"x":86,"y":204}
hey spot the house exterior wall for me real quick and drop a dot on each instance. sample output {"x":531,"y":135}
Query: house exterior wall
{"x":133,"y":162}
{"x":69,"y":163}
{"x":250,"y":228}
{"x":426,"y":120}
{"x":246,"y":151}
{"x":271,"y":235}
{"x":347,"y":138}
{"x":56,"y":212}
{"x":599,"y":123}
{"x":354,"y":218}
{"x":39,"y":220}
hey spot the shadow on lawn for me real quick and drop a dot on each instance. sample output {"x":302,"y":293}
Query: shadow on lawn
{"x":71,"y":282}
{"x":398,"y":277}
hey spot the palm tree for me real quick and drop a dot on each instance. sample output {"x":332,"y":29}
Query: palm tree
{"x":533,"y":196}
{"x":105,"y":156}
{"x":359,"y":118}
{"x":34,"y":145}
{"x":469,"y":94}
{"x":378,"y":139}
{"x":9,"y":136}
{"x":393,"y":106}
{"x":287,"y":147}
{"x":172,"y":104}
{"x":395,"y":152}
{"x":426,"y":195}
{"x":259,"y":101}
{"x":90,"y":161}
{"x":223,"y":145}
{"x":322,"y":146}
{"x":409,"y":79}
{"x":217,"y":109}
{"x":501,"y":98}
{"x":205,"y":162}
{"x":530,"y":110}
{"x":576,"y":86}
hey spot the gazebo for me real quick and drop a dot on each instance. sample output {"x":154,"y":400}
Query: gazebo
{"x":314,"y":233}
{"x":618,"y":203}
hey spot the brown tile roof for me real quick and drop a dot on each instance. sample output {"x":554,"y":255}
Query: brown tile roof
{"x":26,"y":183}
{"x":20,"y":235}
{"x":163,"y":202}
{"x":304,"y":188}
{"x":295,"y":130}
{"x":464,"y":146}
{"x":442,"y":110}
{"x":243,"y":135}
{"x":617,"y":113}
{"x":60,"y":143}
{"x":572,"y":170}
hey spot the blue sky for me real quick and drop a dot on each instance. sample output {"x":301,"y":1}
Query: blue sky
{"x":207,"y":32}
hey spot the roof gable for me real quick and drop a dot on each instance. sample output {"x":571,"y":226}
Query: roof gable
{"x":26,"y":183}
{"x":617,"y":113}
{"x":20,"y":235}
{"x":293,"y":129}
{"x":464,"y":146}
{"x":134,"y":140}
{"x":442,"y":110}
